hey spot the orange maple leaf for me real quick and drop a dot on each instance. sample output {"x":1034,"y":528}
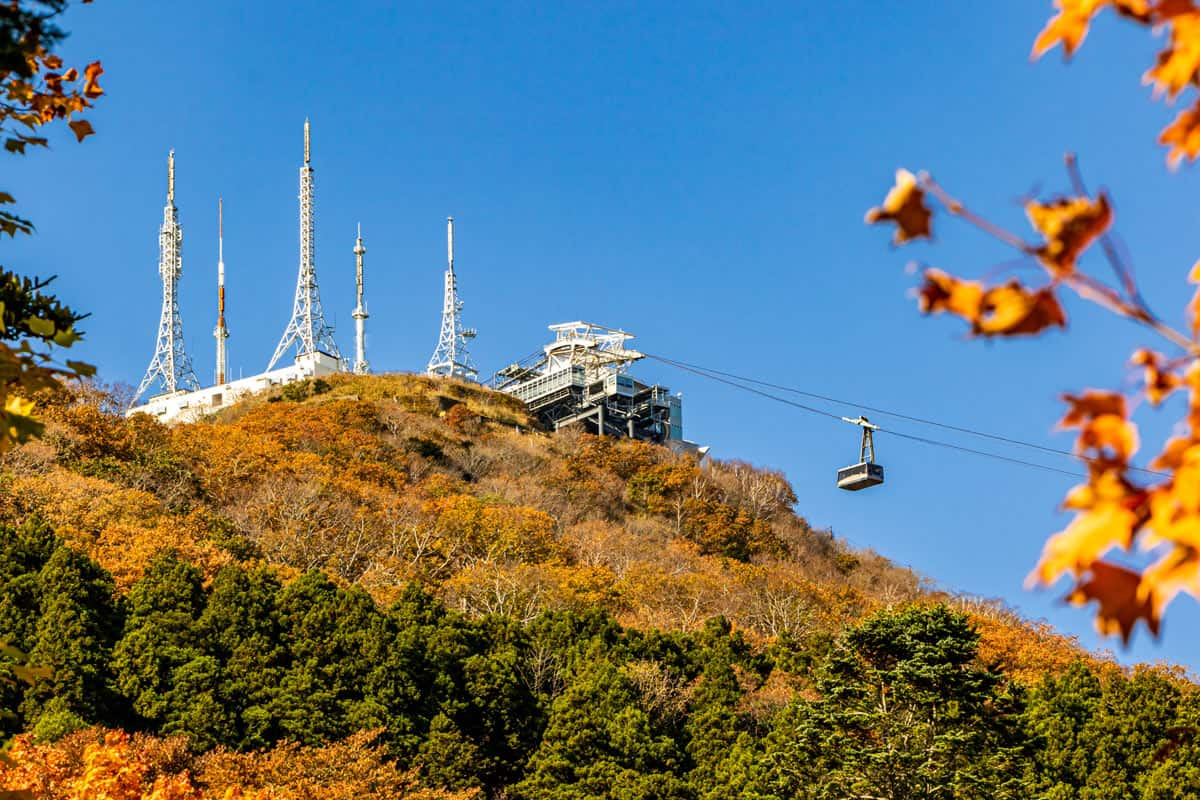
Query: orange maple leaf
{"x":1164,"y":10}
{"x":944,"y":292}
{"x":1069,"y":225}
{"x":1012,"y":310}
{"x":905,"y":206}
{"x":91,"y":75}
{"x":1089,"y":535}
{"x":1173,"y":453}
{"x":1193,"y":308}
{"x":1177,"y":64}
{"x":1177,"y":571}
{"x":1068,"y":27}
{"x":1105,"y":485}
{"x":1159,"y":382}
{"x":1182,"y":136}
{"x":1009,"y":310}
{"x":1122,"y":603}
{"x":1110,"y":437}
{"x":1173,"y":515}
{"x":81,"y":128}
{"x":1092,"y":403}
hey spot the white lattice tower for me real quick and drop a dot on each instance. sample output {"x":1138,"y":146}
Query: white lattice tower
{"x":361,"y":367}
{"x":450,"y":357}
{"x":170,"y":365}
{"x":307,"y":328}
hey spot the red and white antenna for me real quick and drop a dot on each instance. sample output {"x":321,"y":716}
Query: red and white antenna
{"x":221,"y":332}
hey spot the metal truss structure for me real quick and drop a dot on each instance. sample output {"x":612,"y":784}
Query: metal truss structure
{"x":307,"y":328}
{"x":580,"y":378}
{"x":170,"y":365}
{"x":450,"y":358}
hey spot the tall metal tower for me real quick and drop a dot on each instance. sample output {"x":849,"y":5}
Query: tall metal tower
{"x":450,"y":358}
{"x":307,"y":328}
{"x":221,"y":332}
{"x":360,"y":311}
{"x":170,"y":364}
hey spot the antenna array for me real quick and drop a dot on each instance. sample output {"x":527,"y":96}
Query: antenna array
{"x":307,"y":328}
{"x":450,"y":357}
{"x":170,"y":365}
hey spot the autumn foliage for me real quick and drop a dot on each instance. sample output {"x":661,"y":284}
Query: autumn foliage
{"x":98,"y":764}
{"x":1122,"y":506}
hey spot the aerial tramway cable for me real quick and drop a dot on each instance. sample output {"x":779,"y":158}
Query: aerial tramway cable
{"x":741,"y":382}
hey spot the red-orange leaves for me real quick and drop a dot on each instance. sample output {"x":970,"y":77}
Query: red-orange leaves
{"x":905,"y":206}
{"x":1122,"y":602}
{"x":1093,"y":532}
{"x":1182,"y":136}
{"x":81,"y":128}
{"x":1090,"y":404}
{"x":1007,"y":310}
{"x":944,"y":292}
{"x":1159,"y":382}
{"x":1068,"y":27}
{"x":91,"y":77}
{"x":1109,"y":509}
{"x":1176,"y":65}
{"x":1013,"y":310}
{"x":1069,"y":225}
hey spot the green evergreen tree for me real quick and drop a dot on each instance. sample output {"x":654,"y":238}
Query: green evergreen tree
{"x":159,"y":636}
{"x":1055,"y":720}
{"x":227,"y":694}
{"x":76,"y":628}
{"x":326,"y":632}
{"x":599,"y":744}
{"x":1126,"y":732}
{"x":905,"y":712}
{"x":1175,"y":770}
{"x":24,"y":550}
{"x":489,"y":717}
{"x":713,"y":725}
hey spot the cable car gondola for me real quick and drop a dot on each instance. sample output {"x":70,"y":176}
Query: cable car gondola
{"x":866,"y":473}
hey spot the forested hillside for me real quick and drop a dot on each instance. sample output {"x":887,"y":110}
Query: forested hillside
{"x":395,"y":587}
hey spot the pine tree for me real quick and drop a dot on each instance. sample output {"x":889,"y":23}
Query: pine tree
{"x":159,"y":636}
{"x":1055,"y":719}
{"x":76,"y":628}
{"x":905,"y":712}
{"x":226,"y":695}
{"x":599,"y":744}
{"x":326,"y":631}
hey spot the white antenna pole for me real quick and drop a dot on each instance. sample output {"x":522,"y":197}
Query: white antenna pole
{"x":360,"y":311}
{"x":221,"y":333}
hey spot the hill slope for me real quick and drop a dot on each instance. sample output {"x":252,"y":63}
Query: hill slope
{"x":382,"y":480}
{"x":529,"y":614}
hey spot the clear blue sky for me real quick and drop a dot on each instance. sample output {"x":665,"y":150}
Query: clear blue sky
{"x":694,"y":173}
